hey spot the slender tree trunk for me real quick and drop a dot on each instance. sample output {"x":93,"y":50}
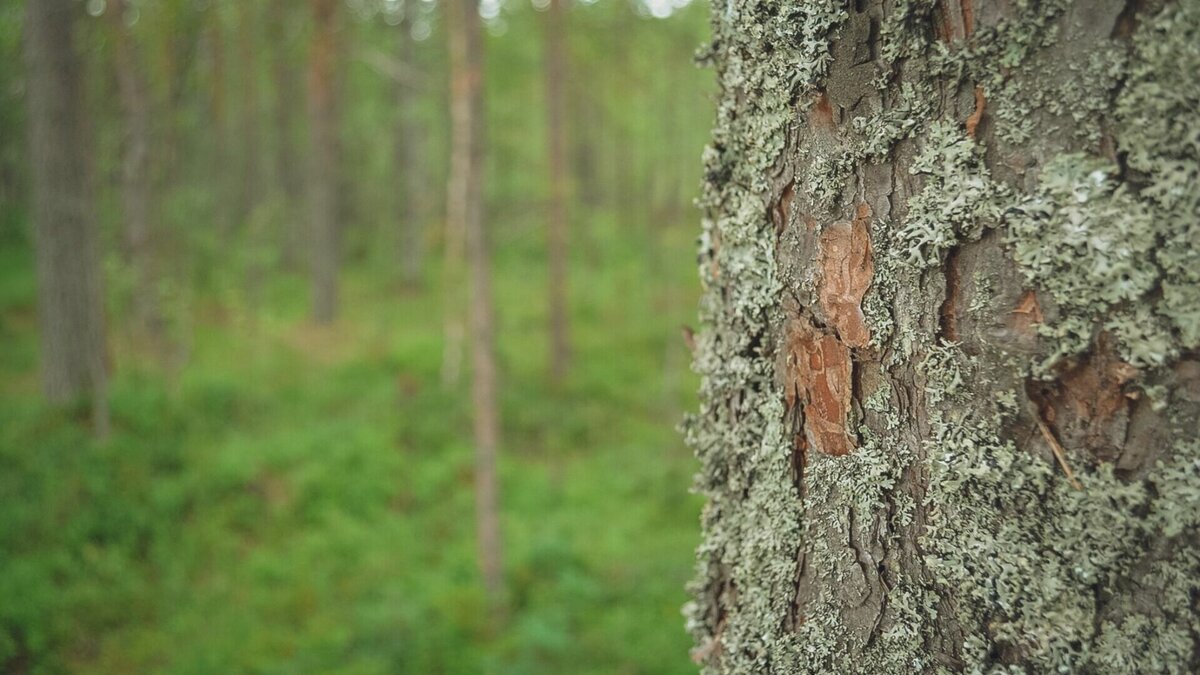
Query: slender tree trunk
{"x":951,"y":362}
{"x":249,"y":191}
{"x":323,"y":178}
{"x":70,"y":285}
{"x":288,"y":179}
{"x":134,"y":92}
{"x":454,"y":330}
{"x":410,"y":162}
{"x":221,"y":181}
{"x":465,"y":205}
{"x":555,"y":64}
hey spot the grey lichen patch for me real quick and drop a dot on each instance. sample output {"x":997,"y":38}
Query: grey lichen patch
{"x":957,"y":199}
{"x":1086,"y":240}
{"x":768,"y":54}
{"x":1029,"y":582}
{"x":1160,"y":135}
{"x":950,"y":539}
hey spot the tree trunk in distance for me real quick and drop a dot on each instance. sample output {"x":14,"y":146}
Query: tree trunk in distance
{"x":70,"y":285}
{"x":288,"y":179}
{"x":221,"y":180}
{"x":134,"y":92}
{"x":951,"y":344}
{"x":554,"y":64}
{"x":409,"y":162}
{"x":249,"y":192}
{"x":465,"y":205}
{"x":325,"y":239}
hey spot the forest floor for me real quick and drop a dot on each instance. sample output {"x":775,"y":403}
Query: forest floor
{"x":299,"y":500}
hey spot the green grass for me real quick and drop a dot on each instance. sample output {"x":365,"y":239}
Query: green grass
{"x":298,"y":500}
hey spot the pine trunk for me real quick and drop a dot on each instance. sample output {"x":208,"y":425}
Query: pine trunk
{"x":70,"y":286}
{"x":555,"y":63}
{"x":465,"y":208}
{"x":134,"y":91}
{"x":325,"y":240}
{"x":951,"y":356}
{"x":410,"y":164}
{"x":288,"y":179}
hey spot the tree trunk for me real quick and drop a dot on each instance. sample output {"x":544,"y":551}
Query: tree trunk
{"x":134,"y":91}
{"x":325,"y":239}
{"x":951,"y":362}
{"x":288,"y":179}
{"x":555,"y":63}
{"x":249,"y":191}
{"x":410,"y":164}
{"x":465,"y":207}
{"x":220,"y":176}
{"x":70,"y":286}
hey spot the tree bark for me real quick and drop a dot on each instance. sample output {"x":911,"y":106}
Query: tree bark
{"x":325,"y":232}
{"x":134,"y":92}
{"x":951,"y":355}
{"x":555,"y":64}
{"x":221,"y":180}
{"x":249,"y":191}
{"x":70,"y":285}
{"x":465,"y":208}
{"x":288,"y":178}
{"x":410,"y":163}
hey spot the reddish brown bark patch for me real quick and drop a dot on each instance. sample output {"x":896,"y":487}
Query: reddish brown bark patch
{"x":1027,"y":314}
{"x":976,"y":116}
{"x":846,"y":265}
{"x":819,"y":381}
{"x":782,"y":211}
{"x":820,"y":116}
{"x":1089,"y":404}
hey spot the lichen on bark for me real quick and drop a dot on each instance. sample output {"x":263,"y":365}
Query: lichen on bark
{"x":988,"y":461}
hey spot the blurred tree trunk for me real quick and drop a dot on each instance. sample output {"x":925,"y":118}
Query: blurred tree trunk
{"x":951,"y":364}
{"x":465,"y":208}
{"x":134,"y":91}
{"x":70,"y":284}
{"x":249,"y":191}
{"x":410,"y":159}
{"x":220,"y":174}
{"x":286,"y":96}
{"x":555,"y":64}
{"x":325,"y":240}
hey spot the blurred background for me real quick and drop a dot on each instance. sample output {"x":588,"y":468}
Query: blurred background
{"x":285,"y":484}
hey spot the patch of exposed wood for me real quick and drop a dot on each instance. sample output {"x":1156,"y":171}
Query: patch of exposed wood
{"x":846,"y":268}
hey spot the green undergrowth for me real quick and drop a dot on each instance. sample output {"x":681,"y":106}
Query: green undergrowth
{"x":299,"y":500}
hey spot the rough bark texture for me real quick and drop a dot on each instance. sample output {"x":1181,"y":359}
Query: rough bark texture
{"x":951,"y":362}
{"x":70,"y":286}
{"x":555,"y":64}
{"x":325,"y":235}
{"x":465,"y":206}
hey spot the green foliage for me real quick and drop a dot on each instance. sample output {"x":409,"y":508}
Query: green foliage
{"x":300,"y":501}
{"x":278,"y":498}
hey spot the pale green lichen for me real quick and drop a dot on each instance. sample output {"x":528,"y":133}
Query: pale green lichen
{"x":1161,"y":138}
{"x":1020,"y":552}
{"x":1084,"y":239}
{"x":1031,"y":580}
{"x":770,"y":52}
{"x":957,"y":199}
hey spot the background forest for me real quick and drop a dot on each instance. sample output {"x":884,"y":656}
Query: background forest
{"x":286,"y":484}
